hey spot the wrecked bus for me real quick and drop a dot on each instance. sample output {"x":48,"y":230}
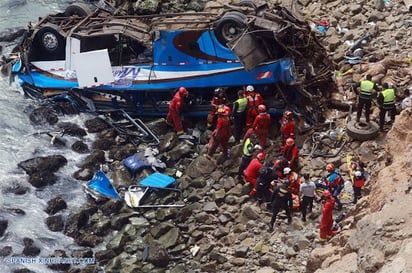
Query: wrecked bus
{"x":98,"y":61}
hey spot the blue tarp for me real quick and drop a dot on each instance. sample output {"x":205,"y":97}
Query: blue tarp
{"x":157,"y":180}
{"x":102,"y":185}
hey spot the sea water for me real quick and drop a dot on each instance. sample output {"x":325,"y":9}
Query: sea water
{"x":20,"y":140}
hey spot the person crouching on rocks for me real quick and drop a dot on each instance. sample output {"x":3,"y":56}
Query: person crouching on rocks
{"x":281,"y":199}
{"x":249,"y":147}
{"x":326,"y":221}
{"x":263,"y":183}
{"x":251,"y":172}
{"x":221,"y":135}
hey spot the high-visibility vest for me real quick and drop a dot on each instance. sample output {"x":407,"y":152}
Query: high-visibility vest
{"x":388,"y":98}
{"x":242,"y":102}
{"x":366,"y":88}
{"x":246,"y":151}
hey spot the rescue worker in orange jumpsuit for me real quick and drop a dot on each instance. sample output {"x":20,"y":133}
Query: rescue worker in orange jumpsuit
{"x":252,"y":170}
{"x":219,"y":100}
{"x":254,"y":99}
{"x":291,"y":152}
{"x":221,"y":135}
{"x":175,"y":108}
{"x":260,"y":126}
{"x":287,"y":126}
{"x":326,"y":221}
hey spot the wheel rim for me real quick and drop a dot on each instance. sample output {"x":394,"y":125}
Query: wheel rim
{"x":50,"y":41}
{"x":231,"y":31}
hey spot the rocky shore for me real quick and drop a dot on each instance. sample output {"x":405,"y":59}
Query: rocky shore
{"x":221,"y":229}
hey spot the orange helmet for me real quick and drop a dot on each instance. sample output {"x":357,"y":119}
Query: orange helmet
{"x":261,"y":156}
{"x":183,"y":91}
{"x":326,"y":193}
{"x":288,"y":114}
{"x":330,"y":167}
{"x":290,"y":142}
{"x":261,"y":108}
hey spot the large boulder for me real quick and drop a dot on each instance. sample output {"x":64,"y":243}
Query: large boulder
{"x":50,"y":163}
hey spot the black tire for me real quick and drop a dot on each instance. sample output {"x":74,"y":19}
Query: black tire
{"x":247,"y":3}
{"x":50,"y":43}
{"x":361,"y":130}
{"x":230,"y":26}
{"x":78,"y":9}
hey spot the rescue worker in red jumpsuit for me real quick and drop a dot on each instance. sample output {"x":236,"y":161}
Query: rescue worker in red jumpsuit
{"x":326,"y":221}
{"x":287,"y":126}
{"x":175,"y":108}
{"x":280,"y":164}
{"x":260,"y":126}
{"x":291,"y":152}
{"x":252,"y":170}
{"x":219,"y":100}
{"x":221,"y":135}
{"x":249,"y":147}
{"x":254,"y":99}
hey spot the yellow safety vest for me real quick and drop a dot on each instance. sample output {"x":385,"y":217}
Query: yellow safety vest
{"x":388,"y":98}
{"x":242,"y":102}
{"x":246,"y":146}
{"x":366,"y":88}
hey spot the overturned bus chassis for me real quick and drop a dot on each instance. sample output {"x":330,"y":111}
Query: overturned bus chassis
{"x":99,"y":61}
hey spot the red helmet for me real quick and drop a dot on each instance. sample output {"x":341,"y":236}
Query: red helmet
{"x":326,"y":193}
{"x":290,"y":142}
{"x":330,"y":167}
{"x":261,"y":108}
{"x":261,"y":156}
{"x":288,"y":114}
{"x":183,"y":91}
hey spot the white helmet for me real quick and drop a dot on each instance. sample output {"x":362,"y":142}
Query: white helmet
{"x":286,"y":170}
{"x":250,"y":88}
{"x":358,"y":173}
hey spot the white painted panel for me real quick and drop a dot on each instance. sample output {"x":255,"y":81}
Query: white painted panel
{"x":93,"y":68}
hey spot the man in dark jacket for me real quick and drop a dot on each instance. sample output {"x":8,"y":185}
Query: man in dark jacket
{"x":281,"y":199}
{"x":263,"y":183}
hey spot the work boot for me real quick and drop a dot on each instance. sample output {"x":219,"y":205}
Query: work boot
{"x":304,"y":219}
{"x":270,"y":227}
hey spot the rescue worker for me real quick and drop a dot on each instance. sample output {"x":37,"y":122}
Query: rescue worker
{"x":294,"y":180}
{"x":281,"y":199}
{"x":335,"y":183}
{"x":239,"y":115}
{"x":260,"y":126}
{"x":307,"y":193}
{"x":358,"y":183}
{"x":326,"y":221}
{"x":263,"y":183}
{"x":251,"y":171}
{"x":280,"y":164}
{"x":365,"y":97}
{"x":291,"y":152}
{"x":249,"y":146}
{"x":175,"y":108}
{"x":254,"y":99}
{"x":221,"y":135}
{"x":386,"y":102}
{"x":219,"y":100}
{"x":287,"y":126}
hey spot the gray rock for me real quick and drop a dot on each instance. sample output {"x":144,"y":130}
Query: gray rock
{"x":43,"y":164}
{"x":210,"y":207}
{"x":241,"y":250}
{"x":103,"y":256}
{"x":88,"y":239}
{"x":216,"y":256}
{"x":119,"y":220}
{"x":118,"y":242}
{"x":200,"y":166}
{"x":55,"y":223}
{"x":56,"y":204}
{"x":170,"y":238}
{"x":157,"y":255}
